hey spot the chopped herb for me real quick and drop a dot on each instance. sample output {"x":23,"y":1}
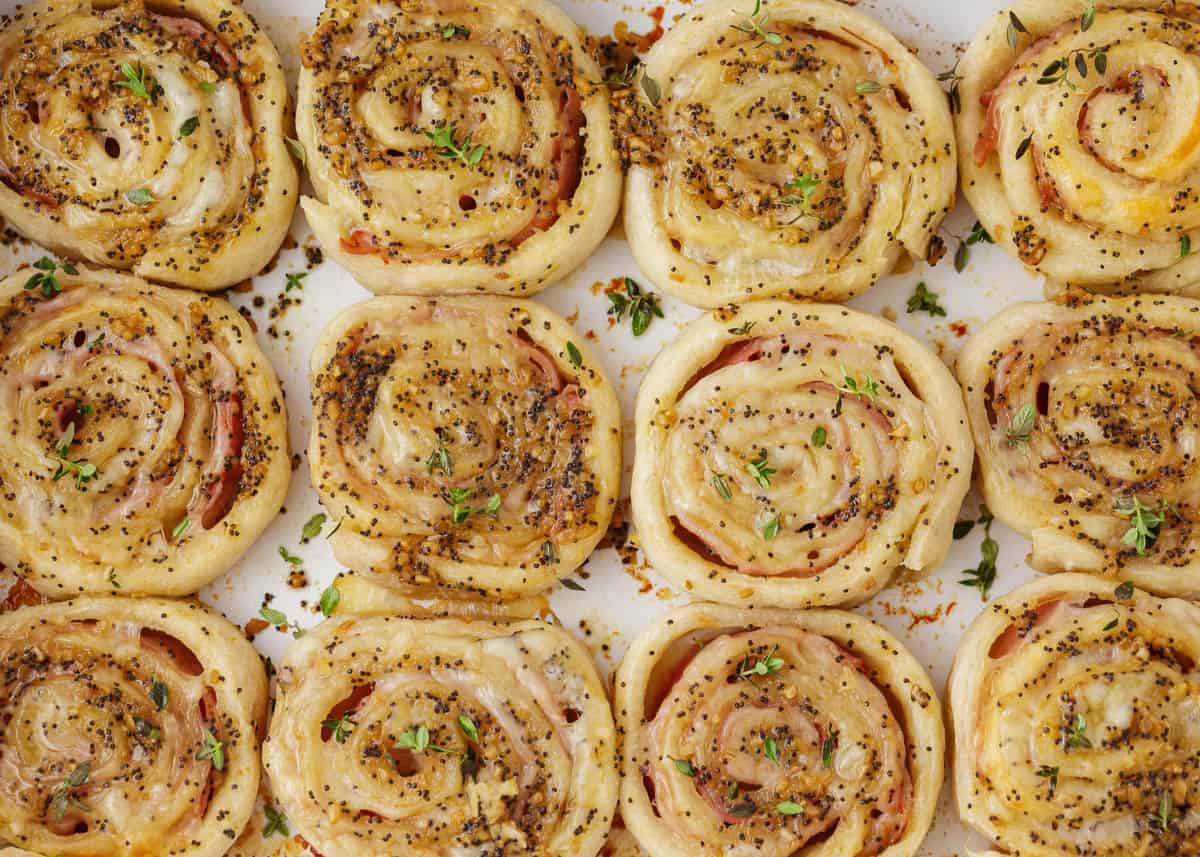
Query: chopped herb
{"x":137,"y":81}
{"x":449,"y":150}
{"x":1166,"y":811}
{"x":96,"y":343}
{"x":440,"y":457}
{"x":417,"y":740}
{"x":45,"y":279}
{"x":744,"y":329}
{"x":279,"y":620}
{"x":182,"y":527}
{"x":868,"y":388}
{"x":1124,"y":592}
{"x":803,"y":188}
{"x":984,"y":575}
{"x":1113,"y":623}
{"x":979,"y":235}
{"x":214,"y":750}
{"x":770,"y":529}
{"x":293,"y":281}
{"x":469,"y":727}
{"x":112,"y":579}
{"x":573,"y":585}
{"x":549,"y":552}
{"x":719,"y":483}
{"x":684,"y":767}
{"x":276,"y":822}
{"x":760,"y":471}
{"x":573,"y":355}
{"x":189,"y":126}
{"x":83,"y":471}
{"x":62,"y":797}
{"x":788,"y":807}
{"x":330,"y":599}
{"x":867,"y":87}
{"x":642,"y":307}
{"x":158,"y":695}
{"x":1051,"y":774}
{"x":289,"y":557}
{"x":493,"y":505}
{"x":953,"y":95}
{"x":763,"y":666}
{"x":652,"y":89}
{"x":755,"y":26}
{"x":312,"y":527}
{"x":827,"y":752}
{"x":624,"y":78}
{"x":1144,"y":522}
{"x":1089,"y":16}
{"x":451,"y":30}
{"x":743,"y":810}
{"x":923,"y":300}
{"x":208,"y":88}
{"x":1015,"y":28}
{"x":961,"y":256}
{"x":962,"y":529}
{"x":771,"y":749}
{"x":1023,"y":147}
{"x":340,"y":727}
{"x":139,"y":196}
{"x":1020,"y":427}
{"x":147,"y":729}
{"x":1185,"y":246}
{"x":460,"y":511}
{"x":298,"y":150}
{"x":1077,"y":734}
{"x":819,"y":436}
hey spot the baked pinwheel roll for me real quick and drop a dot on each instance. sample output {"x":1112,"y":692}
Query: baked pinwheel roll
{"x":796,"y":455}
{"x":455,"y":147}
{"x":467,"y":734}
{"x":1086,"y":420}
{"x":127,"y":726}
{"x":1076,"y":140}
{"x":812,"y":732}
{"x":1075,"y":714}
{"x":467,"y":442}
{"x":143,"y":439}
{"x":800,"y":150}
{"x":146,"y":137}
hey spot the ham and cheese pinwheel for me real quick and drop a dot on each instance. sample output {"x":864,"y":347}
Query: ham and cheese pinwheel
{"x":1076,"y":719}
{"x":1087,"y":425}
{"x":127,"y":726}
{"x":468,"y":442}
{"x":773,"y":733}
{"x":455,"y":146}
{"x":1079,"y":140}
{"x":471,"y":734}
{"x":797,"y":149}
{"x":796,"y":455}
{"x":143,"y":439}
{"x":146,"y":137}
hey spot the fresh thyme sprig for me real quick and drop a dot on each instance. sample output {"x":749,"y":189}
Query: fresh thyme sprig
{"x":754,"y":25}
{"x":641,"y":307}
{"x":450,"y":150}
{"x":1144,"y":521}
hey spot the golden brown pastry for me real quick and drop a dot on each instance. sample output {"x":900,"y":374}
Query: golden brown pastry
{"x":1076,"y":715}
{"x":143,"y":438}
{"x":1086,"y":424}
{"x":796,"y":455}
{"x":1077,"y":140}
{"x":470,"y":442}
{"x":455,"y":147}
{"x":127,"y":726}
{"x":774,"y":733}
{"x":796,"y":148}
{"x":146,"y":137}
{"x":473,"y":733}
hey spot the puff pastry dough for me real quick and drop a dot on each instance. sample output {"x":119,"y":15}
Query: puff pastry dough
{"x":796,"y":455}
{"x":146,"y":137}
{"x":805,"y":159}
{"x":455,"y":147}
{"x":130,"y":726}
{"x":143,"y":438}
{"x":1079,"y":148}
{"x":467,"y":734}
{"x":469,"y":442}
{"x":1076,"y":717}
{"x":769,"y":732}
{"x":1082,"y":408}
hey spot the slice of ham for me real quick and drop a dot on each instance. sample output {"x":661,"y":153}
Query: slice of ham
{"x":540,"y":358}
{"x":21,"y":594}
{"x":350,"y":703}
{"x":566,"y":154}
{"x":193,"y":29}
{"x":223,"y":470}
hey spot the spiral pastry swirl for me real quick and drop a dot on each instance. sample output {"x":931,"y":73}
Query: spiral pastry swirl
{"x":1079,"y":147}
{"x":143,"y":439}
{"x":146,"y":137}
{"x":1076,"y":716}
{"x":1086,"y":421}
{"x":773,"y":733}
{"x":467,"y":442}
{"x":803,"y":153}
{"x":455,"y":147}
{"x":468,"y":734}
{"x":796,"y":455}
{"x":127,"y":726}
